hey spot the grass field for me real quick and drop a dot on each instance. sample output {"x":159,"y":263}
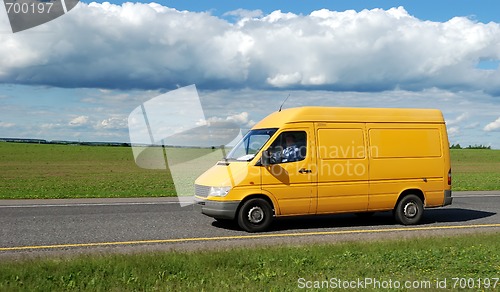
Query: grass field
{"x":420,"y":261}
{"x":61,"y":171}
{"x":475,"y":169}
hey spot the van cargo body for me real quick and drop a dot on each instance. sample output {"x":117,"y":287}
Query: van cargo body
{"x":325,"y":160}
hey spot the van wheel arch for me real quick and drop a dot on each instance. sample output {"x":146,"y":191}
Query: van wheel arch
{"x":416,"y":192}
{"x":257,"y":196}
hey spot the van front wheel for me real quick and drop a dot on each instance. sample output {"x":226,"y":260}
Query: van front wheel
{"x":409,"y":210}
{"x":255,"y":215}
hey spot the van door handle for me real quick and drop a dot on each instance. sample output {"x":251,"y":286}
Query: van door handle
{"x":303,"y":170}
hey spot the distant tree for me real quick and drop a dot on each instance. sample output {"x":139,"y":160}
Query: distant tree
{"x":481,"y":146}
{"x":457,"y":146}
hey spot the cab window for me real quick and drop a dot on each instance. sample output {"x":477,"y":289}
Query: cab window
{"x":289,"y":146}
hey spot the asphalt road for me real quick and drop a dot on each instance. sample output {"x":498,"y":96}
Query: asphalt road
{"x":34,"y":227}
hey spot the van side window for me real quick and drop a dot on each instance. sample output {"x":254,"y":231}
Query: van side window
{"x":289,"y":146}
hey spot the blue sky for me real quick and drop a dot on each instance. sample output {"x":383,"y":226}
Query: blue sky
{"x":79,"y":77}
{"x":440,"y":10}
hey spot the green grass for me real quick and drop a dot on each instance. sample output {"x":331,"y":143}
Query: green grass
{"x":270,"y":268}
{"x":475,"y":169}
{"x":61,"y":171}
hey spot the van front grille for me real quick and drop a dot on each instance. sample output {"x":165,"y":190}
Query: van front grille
{"x":201,"y":191}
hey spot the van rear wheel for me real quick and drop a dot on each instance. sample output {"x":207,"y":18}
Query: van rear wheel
{"x":409,"y":210}
{"x":255,"y":215}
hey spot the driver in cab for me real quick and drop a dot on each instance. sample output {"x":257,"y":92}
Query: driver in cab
{"x":290,"y":152}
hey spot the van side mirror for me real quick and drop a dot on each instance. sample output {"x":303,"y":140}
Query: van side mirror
{"x":265,"y":159}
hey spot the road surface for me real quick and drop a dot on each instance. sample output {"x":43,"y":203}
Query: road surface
{"x":34,"y":227}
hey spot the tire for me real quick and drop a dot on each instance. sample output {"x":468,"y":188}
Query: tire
{"x":255,"y":215}
{"x":409,"y":210}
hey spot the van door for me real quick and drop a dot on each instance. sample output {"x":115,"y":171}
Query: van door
{"x":291,"y":176}
{"x":342,"y":167}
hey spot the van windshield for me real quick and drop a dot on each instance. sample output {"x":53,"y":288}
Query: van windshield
{"x":251,"y":144}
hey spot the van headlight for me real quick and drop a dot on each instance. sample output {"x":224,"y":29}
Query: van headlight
{"x":219,"y":191}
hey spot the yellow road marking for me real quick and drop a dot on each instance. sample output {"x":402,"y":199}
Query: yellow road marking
{"x":250,"y":236}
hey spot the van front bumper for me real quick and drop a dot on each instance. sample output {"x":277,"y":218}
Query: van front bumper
{"x":447,"y":198}
{"x":217,"y":209}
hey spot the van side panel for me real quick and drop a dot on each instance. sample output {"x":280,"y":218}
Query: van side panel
{"x":342,"y":167}
{"x":405,"y":156}
{"x":405,"y":142}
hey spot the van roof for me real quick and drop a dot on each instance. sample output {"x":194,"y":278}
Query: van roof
{"x":350,"y":115}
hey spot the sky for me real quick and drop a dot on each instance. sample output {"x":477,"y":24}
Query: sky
{"x":79,"y":76}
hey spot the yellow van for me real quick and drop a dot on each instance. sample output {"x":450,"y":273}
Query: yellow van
{"x":327,"y":160}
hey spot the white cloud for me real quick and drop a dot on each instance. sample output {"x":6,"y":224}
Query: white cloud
{"x":139,"y":45}
{"x":277,"y":15}
{"x":244,"y":13}
{"x":79,"y":121}
{"x":283,"y":80}
{"x":453,"y":131}
{"x":493,"y":126}
{"x":241,"y":119}
{"x":113,"y":123}
{"x":458,"y":119}
{"x":6,"y":125}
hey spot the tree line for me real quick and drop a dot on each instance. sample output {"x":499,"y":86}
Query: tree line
{"x":481,"y":146}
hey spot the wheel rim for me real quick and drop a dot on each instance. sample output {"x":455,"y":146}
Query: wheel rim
{"x":410,"y":210}
{"x":255,"y":215}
